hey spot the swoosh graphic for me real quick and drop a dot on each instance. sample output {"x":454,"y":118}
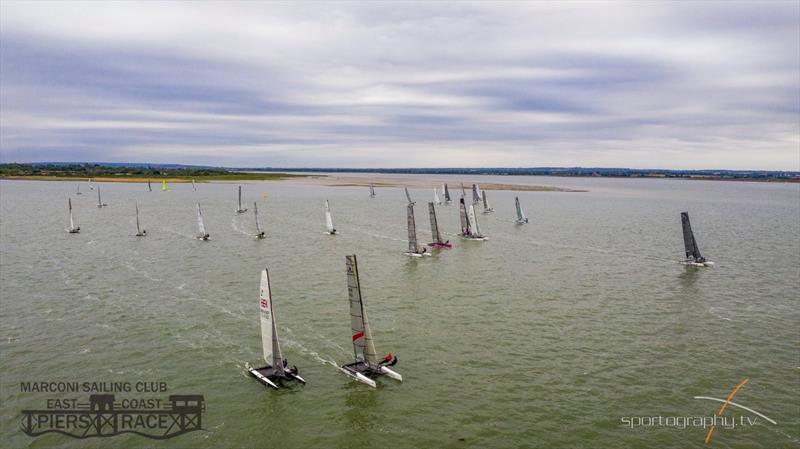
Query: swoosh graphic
{"x":737,"y":405}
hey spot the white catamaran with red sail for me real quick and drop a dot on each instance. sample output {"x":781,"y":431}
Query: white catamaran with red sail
{"x":276,"y":371}
{"x":366,"y":365}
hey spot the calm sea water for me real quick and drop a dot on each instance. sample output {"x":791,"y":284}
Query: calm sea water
{"x":545,"y":336}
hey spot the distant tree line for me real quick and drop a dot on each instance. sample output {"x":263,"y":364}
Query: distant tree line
{"x":89,"y":170}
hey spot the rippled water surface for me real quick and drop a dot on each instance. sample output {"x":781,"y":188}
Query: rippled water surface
{"x":544,"y":336}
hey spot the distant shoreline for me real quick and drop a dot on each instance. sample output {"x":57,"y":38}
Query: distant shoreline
{"x":158,"y":179}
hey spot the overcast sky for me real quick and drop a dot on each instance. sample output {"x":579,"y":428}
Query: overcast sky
{"x":645,"y":84}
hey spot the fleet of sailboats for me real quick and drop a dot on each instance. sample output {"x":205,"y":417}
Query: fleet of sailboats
{"x":366,"y":364}
{"x":469,"y":224}
{"x":521,"y":218}
{"x":139,"y":231}
{"x":276,"y":371}
{"x":328,"y":220}
{"x":72,"y":228}
{"x":259,"y":233}
{"x":693,"y":256}
{"x":201,"y":228}
{"x":435,"y":234}
{"x":239,"y":210}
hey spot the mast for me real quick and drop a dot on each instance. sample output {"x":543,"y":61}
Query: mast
{"x":255,"y":213}
{"x":447,"y":194}
{"x":328,"y":219}
{"x":363,"y":345}
{"x":412,"y":231}
{"x":408,"y":195}
{"x":689,"y":242}
{"x":437,"y":238}
{"x":465,"y":231}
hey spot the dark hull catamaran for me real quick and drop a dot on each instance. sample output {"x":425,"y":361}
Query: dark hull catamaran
{"x":693,"y":256}
{"x":437,"y":242}
{"x":274,"y":374}
{"x":366,"y":364}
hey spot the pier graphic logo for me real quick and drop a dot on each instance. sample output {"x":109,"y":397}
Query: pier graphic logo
{"x":103,"y":416}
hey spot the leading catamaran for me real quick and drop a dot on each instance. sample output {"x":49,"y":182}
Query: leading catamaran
{"x":521,"y":218}
{"x":693,"y":256}
{"x":414,"y":249}
{"x":259,"y":233}
{"x":275,"y":374}
{"x":371,"y":191}
{"x":469,"y":224}
{"x":139,"y":231}
{"x":437,"y":237}
{"x":72,"y":228}
{"x":329,"y":220}
{"x":447,"y":198}
{"x":366,"y":364}
{"x":202,"y":234}
{"x":240,"y":210}
{"x":100,"y":202}
{"x":486,"y":208}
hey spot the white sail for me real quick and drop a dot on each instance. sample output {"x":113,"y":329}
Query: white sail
{"x":269,"y":330}
{"x":520,"y":214}
{"x":476,"y":230}
{"x":71,"y":219}
{"x":436,"y":197}
{"x":255,"y":214}
{"x":99,"y":201}
{"x":485,"y":201}
{"x":328,"y":219}
{"x":476,"y":196}
{"x":413,"y":247}
{"x":363,"y":345}
{"x":201,"y":227}
{"x":138,"y":230}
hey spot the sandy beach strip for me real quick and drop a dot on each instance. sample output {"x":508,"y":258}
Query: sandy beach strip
{"x":378,"y":182}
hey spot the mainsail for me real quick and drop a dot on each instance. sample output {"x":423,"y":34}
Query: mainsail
{"x":485,"y":202}
{"x":476,"y":231}
{"x":521,"y":218}
{"x":447,"y":194}
{"x":437,"y":238}
{"x":269,"y":330}
{"x":200,"y":225}
{"x":689,"y":243}
{"x":71,"y":220}
{"x":328,"y":219}
{"x":138,"y":230}
{"x":476,"y":197}
{"x":436,"y":197}
{"x":412,"y":231}
{"x":465,"y":231}
{"x":363,"y":345}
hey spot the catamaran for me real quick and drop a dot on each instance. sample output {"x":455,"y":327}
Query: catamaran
{"x":202,"y":234}
{"x":164,"y":185}
{"x":436,"y":196}
{"x":693,"y":256}
{"x":240,"y":210}
{"x":437,"y":237}
{"x":259,"y":233}
{"x":139,"y":231}
{"x":366,"y":364}
{"x":79,"y":189}
{"x":100,"y":202}
{"x":329,"y":220}
{"x":408,"y":195}
{"x":469,"y":224}
{"x":371,"y":191}
{"x":149,"y":187}
{"x":486,"y":208}
{"x":414,"y":249}
{"x":194,"y":188}
{"x":476,"y":196}
{"x":275,"y":374}
{"x":447,"y":198}
{"x":91,"y":186}
{"x":72,"y":228}
{"x":521,"y":218}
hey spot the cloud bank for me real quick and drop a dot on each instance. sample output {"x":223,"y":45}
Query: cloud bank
{"x":323,"y":84}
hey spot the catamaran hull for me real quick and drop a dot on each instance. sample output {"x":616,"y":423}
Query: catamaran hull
{"x":241,"y":211}
{"x":74,"y":231}
{"x":204,"y":237}
{"x":488,"y":211}
{"x":691,"y":263}
{"x":267,"y":376}
{"x":440,"y":245}
{"x":410,"y":254}
{"x":477,"y":239}
{"x":358,"y":376}
{"x":360,"y":371}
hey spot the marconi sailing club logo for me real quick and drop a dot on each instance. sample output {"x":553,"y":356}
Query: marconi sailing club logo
{"x":111,"y":408}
